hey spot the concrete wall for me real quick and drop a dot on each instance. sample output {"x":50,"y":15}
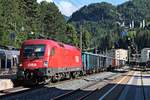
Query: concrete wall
{"x":6,"y":84}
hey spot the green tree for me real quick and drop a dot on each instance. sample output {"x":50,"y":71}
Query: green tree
{"x":10,"y":20}
{"x":86,"y":39}
{"x":72,"y":35}
{"x":52,"y":21}
{"x":142,"y":38}
{"x":30,"y":8}
{"x":20,"y":38}
{"x":5,"y":39}
{"x":131,"y":34}
{"x":9,"y":15}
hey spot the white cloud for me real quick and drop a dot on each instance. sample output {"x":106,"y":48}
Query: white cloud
{"x":44,"y":0}
{"x":66,"y":8}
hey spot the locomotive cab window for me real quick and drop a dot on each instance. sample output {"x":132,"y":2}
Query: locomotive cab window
{"x":52,"y":52}
{"x":36,"y":50}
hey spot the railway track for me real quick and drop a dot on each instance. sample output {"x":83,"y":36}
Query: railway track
{"x":135,"y":88}
{"x":78,"y":93}
{"x":82,"y":77}
{"x":84,"y":92}
{"x":117,"y":87}
{"x":109,"y":88}
{"x":19,"y":88}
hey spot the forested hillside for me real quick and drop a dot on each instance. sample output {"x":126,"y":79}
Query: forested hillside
{"x":25,"y":19}
{"x":103,"y":25}
{"x":112,"y":26}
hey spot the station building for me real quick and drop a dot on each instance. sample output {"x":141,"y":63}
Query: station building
{"x":120,"y":54}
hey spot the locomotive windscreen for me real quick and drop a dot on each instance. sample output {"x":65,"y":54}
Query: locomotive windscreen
{"x":34,"y":50}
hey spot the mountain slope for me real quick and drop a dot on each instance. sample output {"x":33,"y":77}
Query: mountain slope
{"x":105,"y":21}
{"x":95,"y":12}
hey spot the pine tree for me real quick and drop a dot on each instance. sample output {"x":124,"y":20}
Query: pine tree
{"x":72,"y":35}
{"x":52,"y":21}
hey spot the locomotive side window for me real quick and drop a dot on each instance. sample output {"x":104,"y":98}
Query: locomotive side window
{"x":52,"y":52}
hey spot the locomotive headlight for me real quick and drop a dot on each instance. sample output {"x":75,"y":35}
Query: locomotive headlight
{"x":45,"y":63}
{"x":20,"y":65}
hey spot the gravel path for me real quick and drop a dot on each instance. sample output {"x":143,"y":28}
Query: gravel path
{"x":78,"y":83}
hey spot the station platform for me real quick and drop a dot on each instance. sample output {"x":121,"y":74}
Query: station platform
{"x":137,"y":88}
{"x":146,"y":84}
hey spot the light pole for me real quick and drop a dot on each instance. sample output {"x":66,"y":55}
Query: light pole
{"x":81,"y":29}
{"x":129,"y":50}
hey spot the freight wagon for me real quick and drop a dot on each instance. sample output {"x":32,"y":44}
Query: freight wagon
{"x":95,"y":62}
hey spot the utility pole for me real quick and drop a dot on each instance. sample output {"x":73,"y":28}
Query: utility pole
{"x":129,"y":51}
{"x":15,"y":26}
{"x":81,"y":29}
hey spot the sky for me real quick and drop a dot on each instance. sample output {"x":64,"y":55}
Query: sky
{"x":67,"y":7}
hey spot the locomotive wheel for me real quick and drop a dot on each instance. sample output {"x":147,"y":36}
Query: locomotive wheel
{"x":53,"y":79}
{"x":35,"y":81}
{"x":73,"y":75}
{"x":82,"y":73}
{"x":47,"y":81}
{"x":68,"y":76}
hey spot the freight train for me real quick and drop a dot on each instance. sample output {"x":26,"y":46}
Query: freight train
{"x":47,"y":60}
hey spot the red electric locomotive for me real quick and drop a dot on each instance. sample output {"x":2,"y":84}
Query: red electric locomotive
{"x":43,"y":60}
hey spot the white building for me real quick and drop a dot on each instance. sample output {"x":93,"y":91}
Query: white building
{"x":120,"y":54}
